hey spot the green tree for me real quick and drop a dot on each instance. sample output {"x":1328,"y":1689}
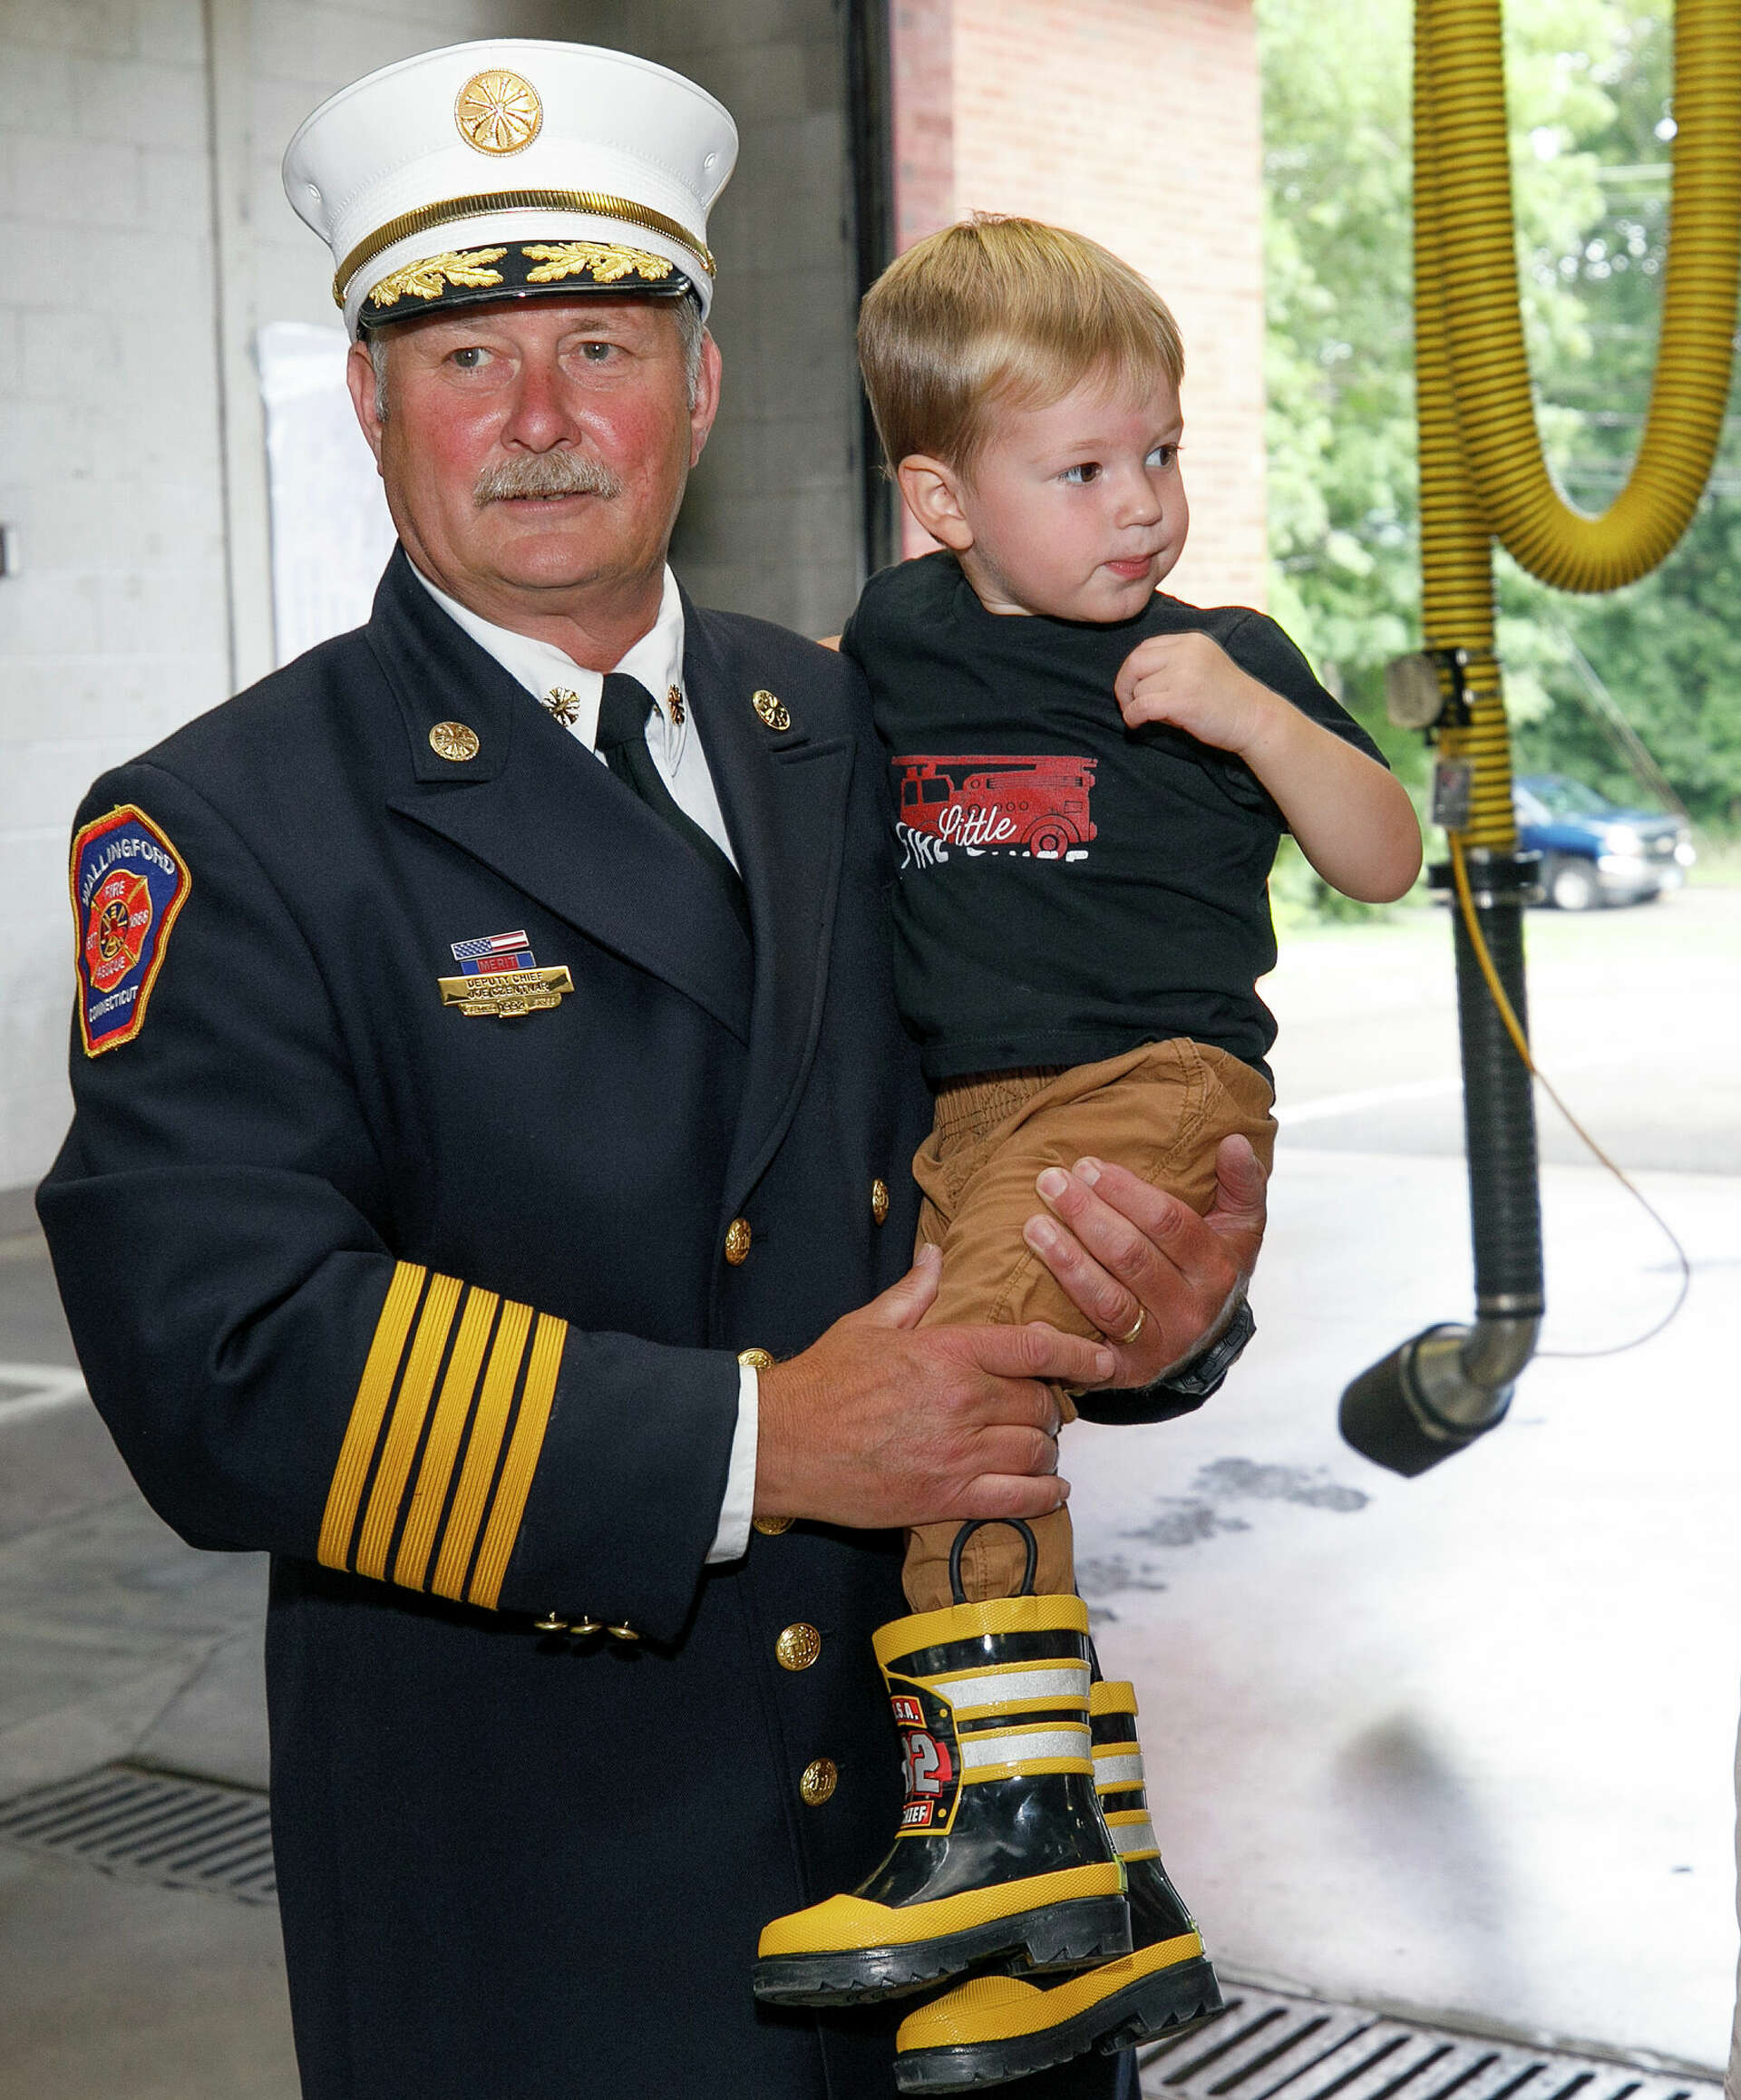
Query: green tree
{"x":1591,"y":116}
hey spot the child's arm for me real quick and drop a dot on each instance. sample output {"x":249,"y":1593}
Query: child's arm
{"x":1354,"y":822}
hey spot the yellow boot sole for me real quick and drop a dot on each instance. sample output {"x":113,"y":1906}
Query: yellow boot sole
{"x":997,"y":2028}
{"x":847,"y":1950}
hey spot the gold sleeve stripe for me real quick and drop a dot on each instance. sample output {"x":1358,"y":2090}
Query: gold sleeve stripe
{"x":374,"y":1390}
{"x":405,"y":1425}
{"x":443,"y":1449}
{"x":460,"y":1534}
{"x":521,"y":1462}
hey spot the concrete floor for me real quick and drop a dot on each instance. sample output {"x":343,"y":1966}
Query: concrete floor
{"x":1460,"y":1744}
{"x":1466,"y":1742}
{"x":117,"y":1640}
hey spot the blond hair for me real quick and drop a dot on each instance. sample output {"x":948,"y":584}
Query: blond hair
{"x":1002,"y":310}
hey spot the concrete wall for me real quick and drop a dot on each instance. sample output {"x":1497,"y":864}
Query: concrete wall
{"x":110,"y":466}
{"x":148,"y":239}
{"x":1136,"y":121}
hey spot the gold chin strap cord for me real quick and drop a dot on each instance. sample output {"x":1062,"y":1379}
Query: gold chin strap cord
{"x":1483,"y":476}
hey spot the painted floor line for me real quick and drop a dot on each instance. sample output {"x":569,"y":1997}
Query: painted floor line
{"x":1334,"y":1104}
{"x":33,"y":1388}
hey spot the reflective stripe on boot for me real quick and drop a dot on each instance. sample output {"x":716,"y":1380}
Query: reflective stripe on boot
{"x":997,"y":2028}
{"x":1002,"y":1851}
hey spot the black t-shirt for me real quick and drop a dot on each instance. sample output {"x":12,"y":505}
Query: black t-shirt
{"x":1069,"y":888}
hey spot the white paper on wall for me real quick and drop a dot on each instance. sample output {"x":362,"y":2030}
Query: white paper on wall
{"x":331,"y":534}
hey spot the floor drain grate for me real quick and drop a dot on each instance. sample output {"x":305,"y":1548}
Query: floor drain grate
{"x":148,"y":1826}
{"x":1268,"y":2047}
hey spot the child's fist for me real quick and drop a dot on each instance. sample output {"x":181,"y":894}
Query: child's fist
{"x":1190,"y":681}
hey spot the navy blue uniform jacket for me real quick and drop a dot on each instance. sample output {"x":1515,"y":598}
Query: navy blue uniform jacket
{"x":434,"y":1307}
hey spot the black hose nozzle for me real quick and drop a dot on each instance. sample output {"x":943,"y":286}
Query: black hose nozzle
{"x":1435,"y":1395}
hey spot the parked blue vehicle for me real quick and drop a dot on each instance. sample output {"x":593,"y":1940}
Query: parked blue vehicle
{"x":1594,"y":851}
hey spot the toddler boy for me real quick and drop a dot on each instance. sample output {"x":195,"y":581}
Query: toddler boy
{"x":1091,"y":780}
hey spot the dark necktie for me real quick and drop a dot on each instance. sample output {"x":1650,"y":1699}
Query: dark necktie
{"x":621,"y":741}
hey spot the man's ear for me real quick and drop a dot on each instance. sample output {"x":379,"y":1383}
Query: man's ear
{"x":701,"y":416}
{"x":933,"y":491}
{"x":359,"y":377}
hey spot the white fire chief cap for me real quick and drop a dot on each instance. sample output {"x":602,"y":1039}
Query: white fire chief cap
{"x":509,"y":168}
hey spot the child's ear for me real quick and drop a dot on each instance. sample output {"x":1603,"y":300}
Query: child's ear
{"x":933,"y":491}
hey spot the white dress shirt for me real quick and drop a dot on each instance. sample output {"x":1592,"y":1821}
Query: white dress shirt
{"x":656,"y":660}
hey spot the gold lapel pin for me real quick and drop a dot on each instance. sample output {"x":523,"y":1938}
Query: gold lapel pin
{"x":771,"y":710}
{"x":565,"y":706}
{"x":453,"y":741}
{"x":674,"y":701}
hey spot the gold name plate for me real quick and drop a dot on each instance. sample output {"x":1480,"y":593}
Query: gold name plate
{"x":508,"y":993}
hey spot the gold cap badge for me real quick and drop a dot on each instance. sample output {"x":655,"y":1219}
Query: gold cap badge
{"x":771,"y":710}
{"x":454,"y":740}
{"x":498,"y":113}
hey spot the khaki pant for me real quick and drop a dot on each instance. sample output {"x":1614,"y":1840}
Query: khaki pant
{"x":1160,"y":1111}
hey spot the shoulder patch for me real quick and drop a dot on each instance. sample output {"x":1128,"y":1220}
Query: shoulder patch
{"x":129,"y":883}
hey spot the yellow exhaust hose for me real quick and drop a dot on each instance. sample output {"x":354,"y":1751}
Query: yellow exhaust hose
{"x":1466,"y":170}
{"x":1483,"y":474}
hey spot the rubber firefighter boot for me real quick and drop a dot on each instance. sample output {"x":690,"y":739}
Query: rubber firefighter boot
{"x":1002,"y":1852}
{"x":996,"y":2028}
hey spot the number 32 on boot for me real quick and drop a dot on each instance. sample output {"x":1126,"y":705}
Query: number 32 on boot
{"x":1002,"y":1852}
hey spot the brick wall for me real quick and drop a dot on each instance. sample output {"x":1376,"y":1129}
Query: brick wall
{"x":922,"y":66}
{"x":1136,"y":122}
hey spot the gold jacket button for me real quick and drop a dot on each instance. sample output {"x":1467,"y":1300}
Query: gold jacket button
{"x":737,"y":1241}
{"x":756,"y":1359}
{"x":798,"y":1647}
{"x":550,"y":1623}
{"x":624,"y":1632}
{"x":587,"y":1625}
{"x":818,"y":1781}
{"x":878,"y":1201}
{"x":771,"y":1527}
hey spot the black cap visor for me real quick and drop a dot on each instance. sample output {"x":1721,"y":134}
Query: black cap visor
{"x":520,"y":271}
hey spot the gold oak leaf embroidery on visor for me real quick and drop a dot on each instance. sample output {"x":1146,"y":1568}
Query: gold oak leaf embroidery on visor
{"x":428,"y":278}
{"x":605,"y":260}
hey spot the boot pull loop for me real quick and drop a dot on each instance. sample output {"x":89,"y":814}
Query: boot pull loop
{"x":1030,"y":1549}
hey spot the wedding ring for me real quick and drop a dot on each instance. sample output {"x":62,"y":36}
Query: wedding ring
{"x":1132,"y":1332}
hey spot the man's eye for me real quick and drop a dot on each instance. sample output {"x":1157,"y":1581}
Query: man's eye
{"x":596,"y":353}
{"x":1080,"y":477}
{"x":469,"y":357}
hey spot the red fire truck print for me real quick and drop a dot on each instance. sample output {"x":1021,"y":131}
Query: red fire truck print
{"x":997,"y":803}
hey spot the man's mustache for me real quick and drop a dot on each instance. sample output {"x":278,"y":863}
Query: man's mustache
{"x":545,"y":474}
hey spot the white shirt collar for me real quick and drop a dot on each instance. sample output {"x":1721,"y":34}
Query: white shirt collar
{"x":656,"y":660}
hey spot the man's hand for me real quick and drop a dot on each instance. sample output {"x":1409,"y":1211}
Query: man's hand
{"x":877,"y":1424}
{"x":1121,"y":1248}
{"x":1190,"y":681}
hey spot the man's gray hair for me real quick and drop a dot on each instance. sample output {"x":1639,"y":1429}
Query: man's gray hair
{"x":691,"y":331}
